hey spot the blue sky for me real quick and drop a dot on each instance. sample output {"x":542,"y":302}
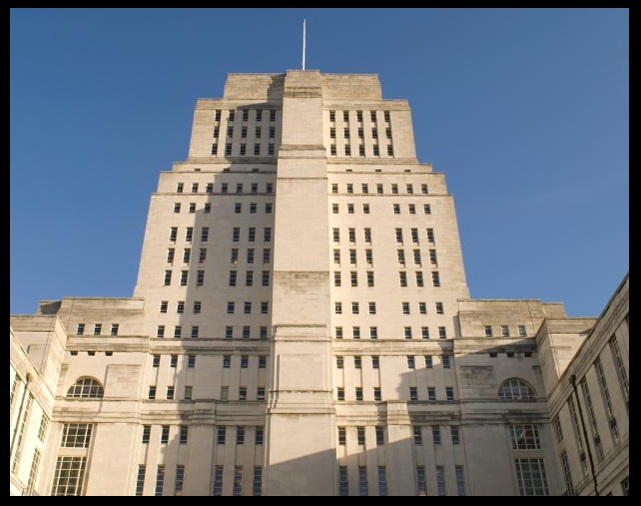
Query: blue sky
{"x":525,"y":110}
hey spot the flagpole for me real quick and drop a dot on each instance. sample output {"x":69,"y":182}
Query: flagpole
{"x":303,"y":44}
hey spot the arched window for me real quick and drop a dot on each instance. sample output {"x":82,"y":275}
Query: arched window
{"x":515,"y":389}
{"x":85,"y":388}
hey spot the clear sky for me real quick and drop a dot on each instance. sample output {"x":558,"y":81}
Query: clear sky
{"x":526,"y":111}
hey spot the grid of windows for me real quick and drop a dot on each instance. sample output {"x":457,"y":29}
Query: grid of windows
{"x":76,"y":435}
{"x":531,"y":477}
{"x":68,"y":478}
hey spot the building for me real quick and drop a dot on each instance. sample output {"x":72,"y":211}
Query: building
{"x":301,"y":325}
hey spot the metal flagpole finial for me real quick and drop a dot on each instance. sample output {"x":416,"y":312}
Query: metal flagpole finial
{"x":304,"y":26}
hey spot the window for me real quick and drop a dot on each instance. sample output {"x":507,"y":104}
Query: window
{"x":265,"y":278}
{"x":449,"y":393}
{"x":356,"y":332}
{"x":69,"y":476}
{"x":342,"y":436}
{"x":622,"y":376}
{"x":76,"y":435}
{"x":399,"y":237}
{"x":410,"y":362}
{"x":237,"y":207}
{"x":460,"y":480}
{"x":411,"y":209}
{"x":244,"y":361}
{"x":263,"y":332}
{"x":373,"y":332}
{"x":339,"y":332}
{"x":515,"y":389}
{"x":625,"y":486}
{"x":420,"y":480}
{"x":220,"y":438}
{"x":417,"y":436}
{"x":505,"y":331}
{"x":160,"y":480}
{"x":430,"y":235}
{"x":86,"y":388}
{"x":184,"y":434}
{"x":203,"y":255}
{"x":140,"y":480}
{"x":456,"y":434}
{"x":170,"y":393}
{"x":184,"y":275}
{"x":194,"y":331}
{"x":427,"y":209}
{"x":402,"y":277}
{"x":375,"y":362}
{"x":226,"y":361}
{"x":431,"y":393}
{"x":337,"y":278}
{"x":357,"y":362}
{"x":368,"y":235}
{"x":266,"y":255}
{"x":160,"y":332}
{"x":407,"y":332}
{"x":439,"y":308}
{"x":343,"y":484}
{"x":358,"y":391}
{"x":236,"y":234}
{"x":531,"y":477}
{"x":521,"y":330}
{"x":242,"y":393}
{"x":156,"y":361}
{"x":80,"y":330}
{"x":180,"y":479}
{"x":189,"y":234}
{"x":173,"y":362}
{"x":440,"y":480}
{"x":360,"y":435}
{"x":377,"y":393}
{"x":232,"y":278}
{"x":97,"y":328}
{"x":419,"y":278}
{"x":397,"y":208}
{"x":436,"y":280}
{"x":340,"y":394}
{"x":240,"y":435}
{"x":413,"y":394}
{"x":217,"y":489}
{"x":44,"y":426}
{"x":362,"y":481}
{"x":267,"y":236}
{"x":338,"y":307}
{"x":445,"y":360}
{"x":180,"y":307}
{"x":525,"y":437}
{"x":488,"y":330}
{"x":442,"y":333}
{"x":355,"y":309}
{"x":259,"y":436}
{"x":177,"y":331}
{"x":351,"y":233}
{"x":414,"y":233}
{"x":164,"y":437}
{"x":436,"y":435}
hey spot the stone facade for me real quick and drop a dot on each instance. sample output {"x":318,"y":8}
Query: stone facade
{"x":301,"y":325}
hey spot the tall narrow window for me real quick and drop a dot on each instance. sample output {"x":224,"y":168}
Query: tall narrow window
{"x":362,"y":481}
{"x":343,"y":484}
{"x":217,"y":489}
{"x":140,"y":480}
{"x":160,"y":480}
